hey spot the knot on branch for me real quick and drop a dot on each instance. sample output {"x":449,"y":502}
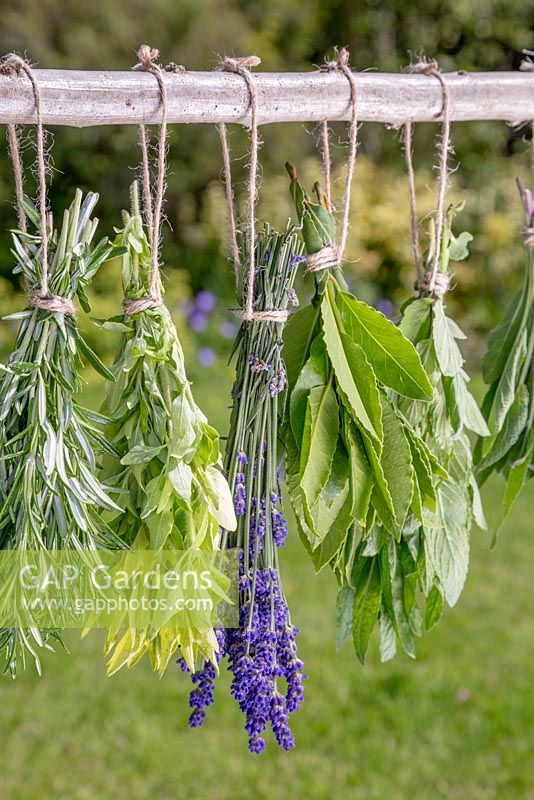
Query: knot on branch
{"x":426,"y":66}
{"x":437,"y":283}
{"x":52,"y":302}
{"x":238,"y":65}
{"x":147,"y":55}
{"x":341,"y":61}
{"x":12,"y":64}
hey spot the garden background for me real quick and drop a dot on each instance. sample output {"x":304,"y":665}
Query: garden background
{"x":458,"y":722}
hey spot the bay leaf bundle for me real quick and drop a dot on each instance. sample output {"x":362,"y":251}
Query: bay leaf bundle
{"x":508,"y":369}
{"x":49,"y":444}
{"x":168,"y":467}
{"x":354,"y":462}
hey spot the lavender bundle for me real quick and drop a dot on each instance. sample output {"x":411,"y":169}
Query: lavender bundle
{"x":261,"y":653}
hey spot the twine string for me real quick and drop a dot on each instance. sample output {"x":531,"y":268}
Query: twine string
{"x":38,"y":297}
{"x":332,"y":255}
{"x":240,"y":66}
{"x":431,"y":281}
{"x":408,"y":130}
{"x":227,"y":171}
{"x":152,"y":198}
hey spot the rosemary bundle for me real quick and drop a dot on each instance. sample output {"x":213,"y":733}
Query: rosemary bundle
{"x":508,"y":369}
{"x":167,"y":464}
{"x":51,"y":498}
{"x":261,"y":653}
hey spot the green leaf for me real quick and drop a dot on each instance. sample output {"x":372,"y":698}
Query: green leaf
{"x":366,"y":607}
{"x":501,"y":340}
{"x":447,"y":351}
{"x":299,"y":333}
{"x":353,"y":372}
{"x":344,"y":612}
{"x":458,"y":249}
{"x":517,"y":476}
{"x":361,"y":476}
{"x":393,"y":595}
{"x":434,"y":608}
{"x":315,"y":372}
{"x":93,"y":359}
{"x":393,"y":358}
{"x":416,"y":319}
{"x":469,"y":414}
{"x":507,"y":383}
{"x":140,"y":454}
{"x":397,"y":467}
{"x":514,"y":424}
{"x":447,"y":544}
{"x":321,"y":431}
{"x":388,"y":642}
{"x":181,"y":480}
{"x":333,"y":507}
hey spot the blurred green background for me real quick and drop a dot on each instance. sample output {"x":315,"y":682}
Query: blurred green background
{"x":458,"y":722}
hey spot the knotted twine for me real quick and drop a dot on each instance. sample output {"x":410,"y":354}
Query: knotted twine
{"x":38,"y":297}
{"x":332,"y":255}
{"x":152,"y":201}
{"x":240,"y":66}
{"x":432,"y":281}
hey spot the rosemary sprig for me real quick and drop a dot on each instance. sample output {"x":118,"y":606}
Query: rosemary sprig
{"x":50,"y":497}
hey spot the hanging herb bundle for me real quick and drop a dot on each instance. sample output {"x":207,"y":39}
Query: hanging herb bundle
{"x":508,"y":369}
{"x":261,"y":653}
{"x":167,"y":464}
{"x":429,"y":564}
{"x":353,"y":461}
{"x":51,"y":498}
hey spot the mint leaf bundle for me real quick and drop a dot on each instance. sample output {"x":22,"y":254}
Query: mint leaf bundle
{"x":50,"y":497}
{"x":508,"y":369}
{"x":168,"y":468}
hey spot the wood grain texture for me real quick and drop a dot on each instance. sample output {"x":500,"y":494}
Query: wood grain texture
{"x":83,"y":99}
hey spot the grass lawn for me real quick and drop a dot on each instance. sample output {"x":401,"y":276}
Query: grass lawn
{"x":456,"y":723}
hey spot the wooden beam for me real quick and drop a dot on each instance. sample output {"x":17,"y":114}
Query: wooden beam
{"x":82,"y":99}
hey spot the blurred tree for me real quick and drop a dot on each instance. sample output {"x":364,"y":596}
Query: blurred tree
{"x":289,"y":35}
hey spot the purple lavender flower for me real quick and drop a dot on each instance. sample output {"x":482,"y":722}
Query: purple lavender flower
{"x":197,"y":321}
{"x":242,"y":457}
{"x":206,"y":356}
{"x":385,"y":307}
{"x":240,"y":495}
{"x":296,"y":260}
{"x":205,"y":301}
{"x":292,"y":297}
{"x":228,"y":329}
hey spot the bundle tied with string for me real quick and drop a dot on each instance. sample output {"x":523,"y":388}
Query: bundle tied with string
{"x":431,"y":281}
{"x":38,"y":296}
{"x":330,"y":256}
{"x":241,"y":66}
{"x":152,"y":200}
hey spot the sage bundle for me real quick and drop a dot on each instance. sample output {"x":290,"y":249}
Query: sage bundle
{"x":167,"y":463}
{"x":261,"y":653}
{"x":508,"y":369}
{"x":50,"y":496}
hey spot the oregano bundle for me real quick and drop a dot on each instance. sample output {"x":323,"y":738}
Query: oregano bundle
{"x":168,"y":468}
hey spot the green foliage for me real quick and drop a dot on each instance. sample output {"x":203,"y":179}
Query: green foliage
{"x":50,"y":497}
{"x":167,"y":456}
{"x":509,"y":403}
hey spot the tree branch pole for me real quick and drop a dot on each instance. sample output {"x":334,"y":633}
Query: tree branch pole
{"x":83,"y":99}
